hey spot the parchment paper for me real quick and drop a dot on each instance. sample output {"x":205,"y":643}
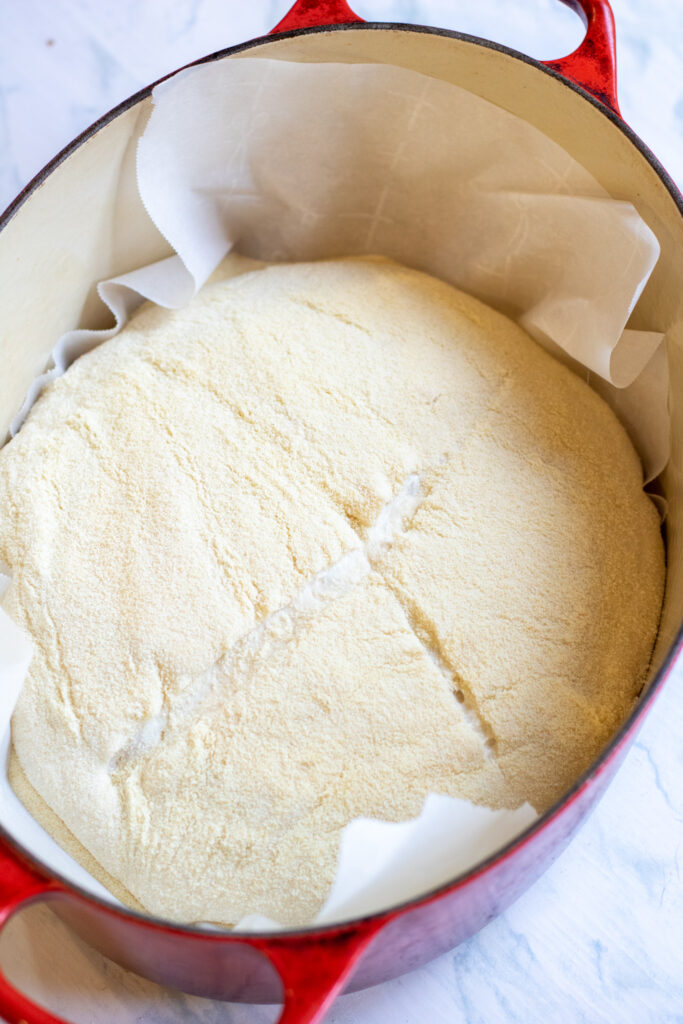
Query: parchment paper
{"x":289,"y":161}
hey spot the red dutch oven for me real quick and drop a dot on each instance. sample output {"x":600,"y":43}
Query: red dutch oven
{"x":573,"y":101}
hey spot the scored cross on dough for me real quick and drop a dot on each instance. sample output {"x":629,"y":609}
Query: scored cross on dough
{"x":187,"y":479}
{"x":391,"y":694}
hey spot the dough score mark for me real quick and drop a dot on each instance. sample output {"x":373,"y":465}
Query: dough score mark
{"x":279,"y":627}
{"x":380,"y":537}
{"x":429,"y":642}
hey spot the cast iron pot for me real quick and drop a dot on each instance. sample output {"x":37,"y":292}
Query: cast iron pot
{"x":48,"y":259}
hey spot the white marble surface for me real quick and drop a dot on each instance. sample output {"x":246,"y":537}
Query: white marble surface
{"x":600,"y":937}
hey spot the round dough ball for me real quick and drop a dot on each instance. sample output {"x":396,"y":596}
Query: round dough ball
{"x":331,"y":537}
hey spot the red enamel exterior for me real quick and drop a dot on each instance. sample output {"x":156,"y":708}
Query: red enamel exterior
{"x":593,"y":65}
{"x":306,"y":970}
{"x":313,"y":13}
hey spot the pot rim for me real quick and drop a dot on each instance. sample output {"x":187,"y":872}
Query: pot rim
{"x":633,"y":720}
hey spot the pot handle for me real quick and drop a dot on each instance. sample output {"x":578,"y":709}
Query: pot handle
{"x":592,"y":66}
{"x":314,"y":14}
{"x":312,"y":979}
{"x":21,"y":884}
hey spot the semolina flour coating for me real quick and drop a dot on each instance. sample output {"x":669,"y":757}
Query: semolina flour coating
{"x":331,"y":537}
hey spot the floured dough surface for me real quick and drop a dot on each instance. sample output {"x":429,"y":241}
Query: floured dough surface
{"x":333,"y":536}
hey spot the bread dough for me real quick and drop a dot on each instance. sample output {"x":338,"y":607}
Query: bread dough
{"x":331,"y":537}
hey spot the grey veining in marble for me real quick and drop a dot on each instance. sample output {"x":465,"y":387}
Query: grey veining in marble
{"x":600,"y":937}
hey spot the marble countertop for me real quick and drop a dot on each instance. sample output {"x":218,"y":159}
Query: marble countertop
{"x":600,"y":937}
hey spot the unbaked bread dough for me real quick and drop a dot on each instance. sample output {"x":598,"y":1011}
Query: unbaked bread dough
{"x":333,"y":536}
